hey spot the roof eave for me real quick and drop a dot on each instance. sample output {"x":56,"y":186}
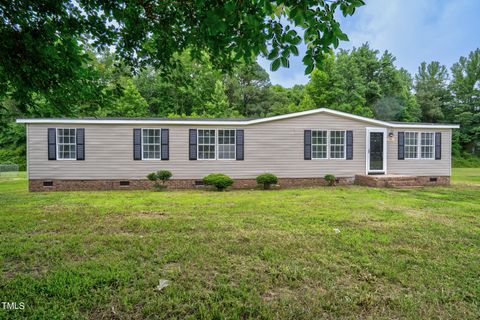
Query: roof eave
{"x":242,"y":123}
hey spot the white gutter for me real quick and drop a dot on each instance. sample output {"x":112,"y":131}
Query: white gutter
{"x":240,"y":123}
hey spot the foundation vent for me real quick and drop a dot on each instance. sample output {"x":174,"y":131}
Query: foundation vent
{"x":124,"y":183}
{"x":48,"y":183}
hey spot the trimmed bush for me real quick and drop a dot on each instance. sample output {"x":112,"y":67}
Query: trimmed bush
{"x":266,"y":180}
{"x":152,"y":176}
{"x":219,"y":180}
{"x":162,"y":175}
{"x":330,"y":178}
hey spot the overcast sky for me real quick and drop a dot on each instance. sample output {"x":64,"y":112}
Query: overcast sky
{"x":412,"y":30}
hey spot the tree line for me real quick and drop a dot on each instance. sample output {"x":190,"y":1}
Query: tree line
{"x":361,"y":81}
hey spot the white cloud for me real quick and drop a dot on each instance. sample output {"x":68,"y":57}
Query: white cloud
{"x":412,"y":30}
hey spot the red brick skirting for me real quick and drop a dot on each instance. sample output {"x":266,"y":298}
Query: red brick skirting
{"x":371,"y":181}
{"x":89,"y":185}
{"x":401,"y":181}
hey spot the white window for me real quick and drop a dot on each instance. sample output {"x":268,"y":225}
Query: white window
{"x":66,"y":144}
{"x":337,"y":144}
{"x":151,"y":144}
{"x":411,"y":145}
{"x":319,"y":145}
{"x":206,"y":144}
{"x":226,"y":144}
{"x":427,"y":146}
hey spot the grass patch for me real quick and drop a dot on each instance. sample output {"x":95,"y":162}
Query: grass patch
{"x":466,"y":176}
{"x":342,"y":252}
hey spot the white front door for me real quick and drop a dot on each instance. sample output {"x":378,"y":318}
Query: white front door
{"x":376,"y":151}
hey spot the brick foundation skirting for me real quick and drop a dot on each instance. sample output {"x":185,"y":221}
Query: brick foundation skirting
{"x":35,"y":185}
{"x":401,"y":181}
{"x":371,"y":181}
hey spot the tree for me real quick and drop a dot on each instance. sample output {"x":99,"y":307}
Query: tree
{"x":185,"y":88}
{"x":357,"y":81}
{"x":465,"y":86}
{"x":40,"y":39}
{"x":431,"y":90}
{"x":410,"y":112}
{"x":218,"y":106}
{"x":388,"y":108}
{"x":247,"y":89}
{"x":129,"y":104}
{"x":285,"y":100}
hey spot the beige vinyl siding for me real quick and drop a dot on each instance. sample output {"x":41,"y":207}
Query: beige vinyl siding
{"x":275,"y":147}
{"x":420,"y":167}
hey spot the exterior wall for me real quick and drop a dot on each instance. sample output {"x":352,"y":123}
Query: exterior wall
{"x":275,"y":147}
{"x":420,"y":167}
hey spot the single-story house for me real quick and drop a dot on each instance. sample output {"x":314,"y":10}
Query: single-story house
{"x":300,"y":148}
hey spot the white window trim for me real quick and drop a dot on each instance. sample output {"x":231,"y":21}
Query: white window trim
{"x":141,"y":139}
{"x":405,"y":144}
{"x":198,"y":145}
{"x":217,"y":149}
{"x":328,"y":144}
{"x":216,"y":144}
{"x":419,"y":145}
{"x":58,"y":149}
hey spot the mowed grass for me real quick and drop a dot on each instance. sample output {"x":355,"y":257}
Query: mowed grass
{"x":466,"y":176}
{"x":343,"y":252}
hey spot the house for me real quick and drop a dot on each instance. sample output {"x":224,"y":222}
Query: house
{"x":300,"y":148}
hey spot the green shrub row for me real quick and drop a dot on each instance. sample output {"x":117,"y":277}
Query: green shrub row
{"x":222,"y":181}
{"x":465,"y":160}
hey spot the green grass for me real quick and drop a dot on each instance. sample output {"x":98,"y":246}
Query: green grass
{"x":342,"y":252}
{"x":466,"y":176}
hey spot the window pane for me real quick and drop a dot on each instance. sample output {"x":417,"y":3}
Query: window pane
{"x":151,"y":143}
{"x":206,"y":144}
{"x":319,"y":144}
{"x":66,"y":144}
{"x":226,"y":144}
{"x":427,"y":145}
{"x":337,"y":144}
{"x":411,"y":145}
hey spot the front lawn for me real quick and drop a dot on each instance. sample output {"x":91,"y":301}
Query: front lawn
{"x":343,"y":252}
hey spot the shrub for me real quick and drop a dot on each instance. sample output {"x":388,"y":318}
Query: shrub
{"x":330,"y":178}
{"x":152,"y":176}
{"x":164,"y":176}
{"x":219,"y":180}
{"x":267,"y":179}
{"x":466,"y":160}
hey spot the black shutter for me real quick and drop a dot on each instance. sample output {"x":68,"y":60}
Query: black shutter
{"x":80,"y":144}
{"x":137,"y":144}
{"x":192,"y":147}
{"x":401,"y":146}
{"x":438,"y":145}
{"x":52,"y":144}
{"x":240,"y":141}
{"x":307,"y":145}
{"x":349,"y":155}
{"x":165,"y":144}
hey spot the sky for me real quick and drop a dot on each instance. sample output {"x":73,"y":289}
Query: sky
{"x":412,"y":30}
